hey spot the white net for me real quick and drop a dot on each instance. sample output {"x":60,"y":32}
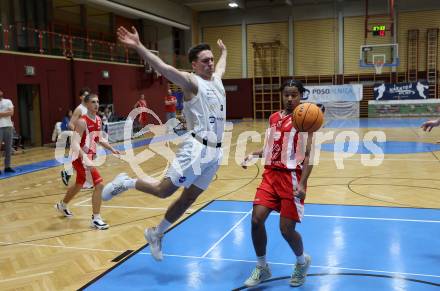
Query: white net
{"x":378,"y":66}
{"x":341,"y":110}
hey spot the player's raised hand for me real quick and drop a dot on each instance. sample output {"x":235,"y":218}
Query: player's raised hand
{"x":428,"y":125}
{"x":221,"y":45}
{"x":128,"y":38}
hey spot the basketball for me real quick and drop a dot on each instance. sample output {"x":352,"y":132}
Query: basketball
{"x":307,"y":117}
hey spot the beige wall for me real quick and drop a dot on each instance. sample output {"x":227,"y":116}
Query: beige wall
{"x":231,"y":37}
{"x":354,"y":37}
{"x":421,"y":20}
{"x":268,"y":32}
{"x":315,"y":47}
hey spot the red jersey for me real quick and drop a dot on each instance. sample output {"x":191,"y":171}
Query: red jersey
{"x":90,"y":135}
{"x":170,"y":108}
{"x":142,"y":103}
{"x":143,"y":116}
{"x":283,"y":148}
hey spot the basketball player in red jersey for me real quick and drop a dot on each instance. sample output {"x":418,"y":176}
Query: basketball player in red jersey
{"x":143,"y":117}
{"x":283,"y":187}
{"x":88,"y":134}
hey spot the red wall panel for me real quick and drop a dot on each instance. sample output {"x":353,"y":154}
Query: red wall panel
{"x":60,"y":81}
{"x":239,"y":102}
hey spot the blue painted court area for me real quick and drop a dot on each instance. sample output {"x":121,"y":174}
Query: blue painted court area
{"x":352,"y":248}
{"x":388,"y":147}
{"x":375,"y":123}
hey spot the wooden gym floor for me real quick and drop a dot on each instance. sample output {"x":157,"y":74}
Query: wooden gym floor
{"x":39,"y":250}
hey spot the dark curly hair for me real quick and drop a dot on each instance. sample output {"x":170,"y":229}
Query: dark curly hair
{"x":293,"y":83}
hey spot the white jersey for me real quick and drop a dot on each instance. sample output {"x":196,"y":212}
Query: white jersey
{"x":205,"y":113}
{"x":83,"y":109}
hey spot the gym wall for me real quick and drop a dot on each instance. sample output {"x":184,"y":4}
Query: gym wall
{"x":315,"y":47}
{"x":231,"y":36}
{"x":421,"y":20}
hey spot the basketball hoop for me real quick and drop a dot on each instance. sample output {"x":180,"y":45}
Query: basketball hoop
{"x":378,"y":65}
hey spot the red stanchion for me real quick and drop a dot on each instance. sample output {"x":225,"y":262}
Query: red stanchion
{"x":6,"y":38}
{"x":111,"y":53}
{"x":40,"y":41}
{"x":63,"y":41}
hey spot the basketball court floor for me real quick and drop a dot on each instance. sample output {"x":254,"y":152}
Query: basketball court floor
{"x":366,"y":227}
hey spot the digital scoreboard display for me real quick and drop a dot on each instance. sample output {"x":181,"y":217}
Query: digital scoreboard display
{"x":379,"y":30}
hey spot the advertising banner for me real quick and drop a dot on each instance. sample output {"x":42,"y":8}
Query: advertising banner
{"x":402,"y":108}
{"x":401,"y":91}
{"x":333,"y":93}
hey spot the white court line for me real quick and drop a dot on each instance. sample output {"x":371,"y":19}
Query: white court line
{"x":26,"y":277}
{"x":88,"y":199}
{"x":60,"y":247}
{"x":277,"y":214}
{"x":60,"y":241}
{"x":125,"y":207}
{"x":81,"y":202}
{"x":374,"y":218}
{"x":190,"y":210}
{"x":226,"y":234}
{"x":385,"y":159}
{"x":287,"y":264}
{"x":224,"y":211}
{"x":228,"y":260}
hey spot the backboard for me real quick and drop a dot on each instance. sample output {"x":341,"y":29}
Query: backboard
{"x":378,"y":56}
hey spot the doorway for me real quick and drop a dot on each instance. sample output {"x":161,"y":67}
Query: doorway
{"x":105,"y":93}
{"x":30,"y":114}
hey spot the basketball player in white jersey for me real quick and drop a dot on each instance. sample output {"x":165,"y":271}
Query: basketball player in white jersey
{"x":79,"y":111}
{"x":205,"y":112}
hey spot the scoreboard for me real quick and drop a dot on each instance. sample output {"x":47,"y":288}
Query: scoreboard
{"x":379,"y":30}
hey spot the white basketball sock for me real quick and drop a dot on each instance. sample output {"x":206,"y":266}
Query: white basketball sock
{"x":97,"y":216}
{"x":130,"y":183}
{"x":301,"y":259}
{"x":261,"y":261}
{"x":163,"y":226}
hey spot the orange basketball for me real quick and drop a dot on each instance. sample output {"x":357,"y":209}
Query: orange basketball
{"x":307,"y":117}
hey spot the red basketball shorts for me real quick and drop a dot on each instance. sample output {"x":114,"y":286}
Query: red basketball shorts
{"x":82,"y":173}
{"x":277,"y":192}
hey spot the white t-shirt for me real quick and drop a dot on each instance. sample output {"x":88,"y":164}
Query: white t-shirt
{"x":6,"y":105}
{"x":83,"y":109}
{"x":206,"y":112}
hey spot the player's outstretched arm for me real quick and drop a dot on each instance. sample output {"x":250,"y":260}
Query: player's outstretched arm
{"x":220,"y":68}
{"x":428,"y":125}
{"x":105,"y":144}
{"x":74,"y":119}
{"x":251,"y":157}
{"x":79,"y":128}
{"x":182,"y":79}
